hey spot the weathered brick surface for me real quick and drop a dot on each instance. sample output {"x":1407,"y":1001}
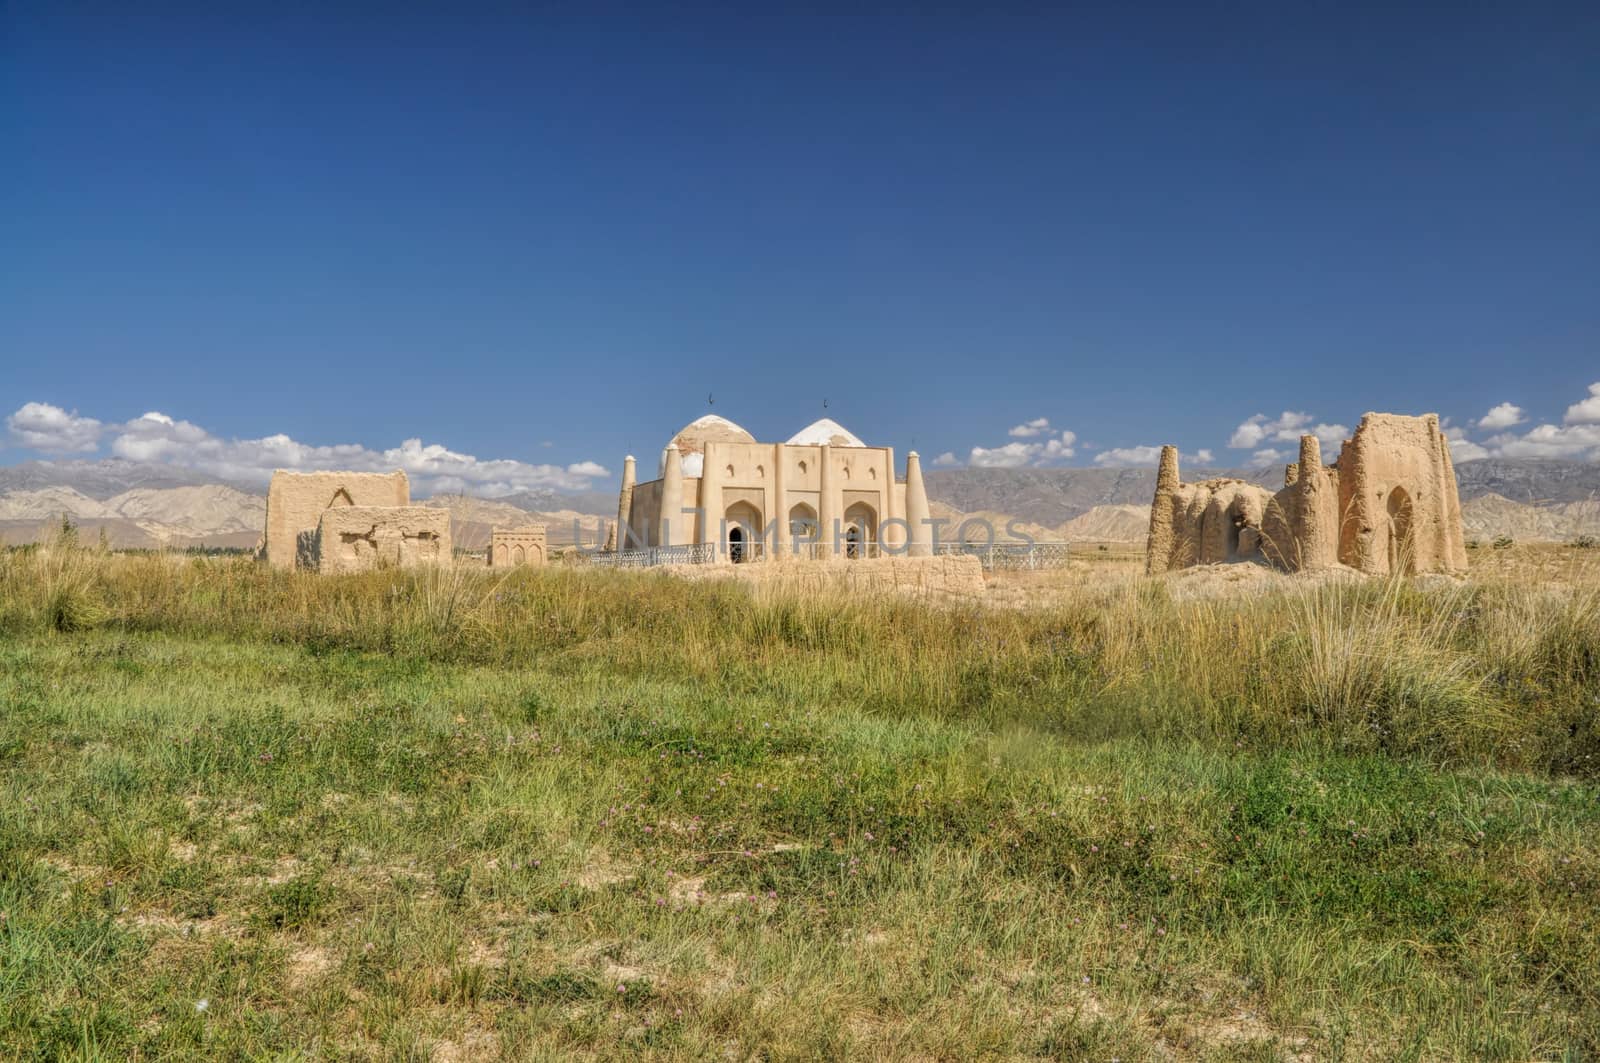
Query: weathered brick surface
{"x":361,"y":538}
{"x":296,"y":501}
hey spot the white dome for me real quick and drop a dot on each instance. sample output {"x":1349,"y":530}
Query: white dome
{"x":826,"y":430}
{"x":693,"y":437}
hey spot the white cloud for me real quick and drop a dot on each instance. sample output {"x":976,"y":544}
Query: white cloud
{"x":1328,"y":435}
{"x":52,"y":430}
{"x":1017,"y":455}
{"x":1257,"y":430}
{"x":158,"y":437}
{"x":1268,"y":456}
{"x":1029,"y":429}
{"x":1287,"y":427}
{"x":1502,"y":416}
{"x":1587,"y":411}
{"x":1010,"y":456}
{"x":1580,"y":441}
{"x":1147,"y":455}
{"x":1577,"y":438}
{"x":946,"y":460}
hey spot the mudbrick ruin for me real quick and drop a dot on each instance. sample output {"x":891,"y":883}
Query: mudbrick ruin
{"x":1388,"y":505}
{"x":341,"y":522}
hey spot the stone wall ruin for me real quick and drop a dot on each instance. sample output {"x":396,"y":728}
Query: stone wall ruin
{"x":297,"y":500}
{"x":362,"y":538}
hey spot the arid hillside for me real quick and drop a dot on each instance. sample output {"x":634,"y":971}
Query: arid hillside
{"x":150,"y":506}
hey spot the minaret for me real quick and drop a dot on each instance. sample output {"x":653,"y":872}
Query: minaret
{"x":672,"y":515}
{"x":625,"y":505}
{"x":1158,"y":548}
{"x":827,"y":514}
{"x":917,"y":514}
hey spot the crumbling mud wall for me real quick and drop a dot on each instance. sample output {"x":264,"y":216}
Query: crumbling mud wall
{"x":297,"y":500}
{"x":1389,"y":504}
{"x":1398,"y":498}
{"x":362,"y":538}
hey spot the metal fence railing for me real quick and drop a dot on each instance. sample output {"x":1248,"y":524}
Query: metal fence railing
{"x":690,"y":554}
{"x":1013,"y":557}
{"x":994,"y":557}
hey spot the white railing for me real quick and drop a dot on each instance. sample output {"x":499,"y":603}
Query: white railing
{"x":646,"y":557}
{"x":1013,"y":556}
{"x":737,"y":552}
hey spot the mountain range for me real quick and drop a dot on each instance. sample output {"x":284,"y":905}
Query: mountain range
{"x":147,"y":505}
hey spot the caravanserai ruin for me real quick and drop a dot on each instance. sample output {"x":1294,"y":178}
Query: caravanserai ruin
{"x":336,"y":522}
{"x":1389,"y":504}
{"x":823,"y":494}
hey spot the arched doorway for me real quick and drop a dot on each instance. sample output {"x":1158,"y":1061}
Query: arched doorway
{"x":1402,"y":545}
{"x":861,"y":530}
{"x":743,"y":521}
{"x":852,"y":542}
{"x":517,"y":556}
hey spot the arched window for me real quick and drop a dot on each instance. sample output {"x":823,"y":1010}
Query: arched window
{"x":804,"y":528}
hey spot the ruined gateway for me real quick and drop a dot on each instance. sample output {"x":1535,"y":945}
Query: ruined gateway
{"x":1387,"y":505}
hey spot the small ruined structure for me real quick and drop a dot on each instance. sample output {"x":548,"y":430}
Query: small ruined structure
{"x":361,"y":538}
{"x":335,"y":522}
{"x":510,"y":547}
{"x":1389,"y":504}
{"x":297,"y":500}
{"x":822,"y":494}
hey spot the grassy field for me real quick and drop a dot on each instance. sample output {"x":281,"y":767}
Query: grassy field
{"x":453,"y":815}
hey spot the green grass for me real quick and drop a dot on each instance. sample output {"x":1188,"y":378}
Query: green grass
{"x":569,"y":813}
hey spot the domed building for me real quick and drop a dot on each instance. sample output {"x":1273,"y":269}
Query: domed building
{"x":822,"y":494}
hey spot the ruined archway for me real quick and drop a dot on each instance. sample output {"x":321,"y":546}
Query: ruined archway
{"x":1402,"y":540}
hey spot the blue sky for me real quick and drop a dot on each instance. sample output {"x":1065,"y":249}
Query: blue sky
{"x":533,"y":242}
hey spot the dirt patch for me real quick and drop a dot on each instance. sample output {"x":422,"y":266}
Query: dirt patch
{"x":600,"y":872}
{"x":307,"y":964}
